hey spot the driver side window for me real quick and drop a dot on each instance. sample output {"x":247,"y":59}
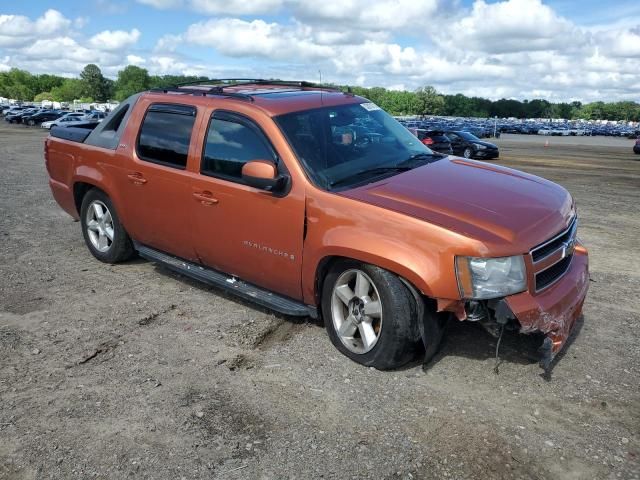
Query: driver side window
{"x":231,"y":142}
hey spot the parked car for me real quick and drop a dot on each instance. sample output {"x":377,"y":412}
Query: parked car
{"x":12,"y":109}
{"x":21,"y":117}
{"x":93,"y":117}
{"x":16,"y":117}
{"x":44,"y":116}
{"x":67,"y":117}
{"x":435,"y":140}
{"x":256,"y":194}
{"x":467,"y":145}
{"x":636,"y":147}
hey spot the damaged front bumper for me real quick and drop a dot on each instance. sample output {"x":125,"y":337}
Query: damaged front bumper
{"x":554,"y":311}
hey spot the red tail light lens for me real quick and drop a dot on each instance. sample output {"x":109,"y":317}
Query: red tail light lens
{"x":427,"y":141}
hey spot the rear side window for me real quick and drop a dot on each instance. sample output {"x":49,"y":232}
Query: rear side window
{"x":231,"y":142}
{"x":165,"y":134}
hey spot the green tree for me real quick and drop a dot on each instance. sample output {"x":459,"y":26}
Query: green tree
{"x":18,"y":84}
{"x":94,"y":84}
{"x":43,"y":96}
{"x":131,"y":80}
{"x":70,"y":90}
{"x":429,"y":101}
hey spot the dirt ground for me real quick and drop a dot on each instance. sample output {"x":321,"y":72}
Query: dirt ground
{"x":130,"y":371}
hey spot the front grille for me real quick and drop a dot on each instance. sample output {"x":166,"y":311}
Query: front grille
{"x":550,"y":246}
{"x":553,"y":273}
{"x":561,"y":247}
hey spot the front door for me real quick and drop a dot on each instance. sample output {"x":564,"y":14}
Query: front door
{"x":240,"y":230}
{"x":154,"y":184}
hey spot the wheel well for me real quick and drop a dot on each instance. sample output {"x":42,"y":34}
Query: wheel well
{"x":327,"y":262}
{"x":80,"y":189}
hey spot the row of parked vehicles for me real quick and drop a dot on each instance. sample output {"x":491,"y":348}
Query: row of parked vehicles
{"x":47,"y":117}
{"x":484,"y":128}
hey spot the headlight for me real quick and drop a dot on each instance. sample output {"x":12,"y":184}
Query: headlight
{"x":481,"y":147}
{"x":483,"y":278}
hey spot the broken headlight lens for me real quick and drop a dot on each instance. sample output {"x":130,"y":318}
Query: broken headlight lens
{"x":482,"y":278}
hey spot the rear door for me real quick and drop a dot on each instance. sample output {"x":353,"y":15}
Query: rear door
{"x":244,"y":231}
{"x":153,"y":181}
{"x":458,"y":144}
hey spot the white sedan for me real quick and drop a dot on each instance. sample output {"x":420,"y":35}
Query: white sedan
{"x":69,"y":117}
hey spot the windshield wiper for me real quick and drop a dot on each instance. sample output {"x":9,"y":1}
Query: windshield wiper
{"x":421,"y":156}
{"x":371,"y":171}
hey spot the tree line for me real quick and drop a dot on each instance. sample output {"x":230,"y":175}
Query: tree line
{"x":93,"y":86}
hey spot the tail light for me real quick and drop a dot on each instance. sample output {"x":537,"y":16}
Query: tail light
{"x":427,"y":141}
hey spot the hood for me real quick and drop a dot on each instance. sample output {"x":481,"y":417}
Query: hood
{"x":493,"y":204}
{"x":486,"y":144}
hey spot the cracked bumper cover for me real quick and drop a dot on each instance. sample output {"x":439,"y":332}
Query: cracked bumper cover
{"x":554,"y":311}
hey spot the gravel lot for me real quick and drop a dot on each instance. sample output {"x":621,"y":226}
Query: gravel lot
{"x":130,"y":371}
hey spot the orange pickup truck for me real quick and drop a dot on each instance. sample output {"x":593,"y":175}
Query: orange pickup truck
{"x":315,"y":202}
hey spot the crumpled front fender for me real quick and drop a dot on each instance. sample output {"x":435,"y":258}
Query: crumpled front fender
{"x":554,"y":311}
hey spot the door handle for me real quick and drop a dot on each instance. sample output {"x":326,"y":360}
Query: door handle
{"x":137,"y":178}
{"x":206,"y":198}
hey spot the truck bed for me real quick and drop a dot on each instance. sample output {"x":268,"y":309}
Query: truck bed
{"x":78,"y":133}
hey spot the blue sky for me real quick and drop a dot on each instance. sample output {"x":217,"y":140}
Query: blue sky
{"x":560,"y":50}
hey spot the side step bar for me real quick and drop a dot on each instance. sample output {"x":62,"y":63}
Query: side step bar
{"x":230,"y":284}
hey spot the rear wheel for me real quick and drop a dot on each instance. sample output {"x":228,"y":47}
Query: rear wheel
{"x":103,"y":233}
{"x":370,"y":315}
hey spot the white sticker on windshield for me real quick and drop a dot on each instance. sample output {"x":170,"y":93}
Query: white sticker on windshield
{"x":370,"y":107}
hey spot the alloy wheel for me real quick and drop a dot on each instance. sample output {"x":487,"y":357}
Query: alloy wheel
{"x":99,"y":226}
{"x":356,"y":310}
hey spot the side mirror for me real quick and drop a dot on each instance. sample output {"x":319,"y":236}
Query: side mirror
{"x":263,"y":174}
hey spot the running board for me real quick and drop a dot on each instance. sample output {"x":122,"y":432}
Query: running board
{"x":230,"y":284}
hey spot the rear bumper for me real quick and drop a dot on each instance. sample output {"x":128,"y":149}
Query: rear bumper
{"x":555,"y":310}
{"x":64,"y":196}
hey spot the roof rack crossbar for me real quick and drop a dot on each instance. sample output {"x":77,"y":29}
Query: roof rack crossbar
{"x":236,"y":82}
{"x":204,"y":92}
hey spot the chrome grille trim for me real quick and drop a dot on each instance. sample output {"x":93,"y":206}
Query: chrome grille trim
{"x":570,"y":232}
{"x":565,"y":241}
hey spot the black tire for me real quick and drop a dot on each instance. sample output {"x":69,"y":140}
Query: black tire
{"x":468,"y":152}
{"x":121,"y":248}
{"x":399,"y":338}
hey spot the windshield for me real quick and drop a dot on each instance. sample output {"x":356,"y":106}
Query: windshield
{"x":352,"y":144}
{"x":468,"y":136}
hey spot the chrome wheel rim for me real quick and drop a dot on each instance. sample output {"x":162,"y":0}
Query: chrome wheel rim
{"x":356,"y":310}
{"x":99,"y":226}
{"x":467,"y":153}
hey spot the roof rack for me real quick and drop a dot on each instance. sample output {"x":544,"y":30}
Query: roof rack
{"x":204,"y":92}
{"x":219,"y":84}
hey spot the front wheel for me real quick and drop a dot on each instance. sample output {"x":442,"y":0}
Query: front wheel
{"x":468,"y":153}
{"x":370,"y":315}
{"x":103,"y":233}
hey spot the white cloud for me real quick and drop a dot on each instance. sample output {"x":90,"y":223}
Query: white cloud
{"x":135,"y":60}
{"x":239,"y":38}
{"x":369,"y":15}
{"x":511,"y":26}
{"x":114,"y":40}
{"x":16,"y":30}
